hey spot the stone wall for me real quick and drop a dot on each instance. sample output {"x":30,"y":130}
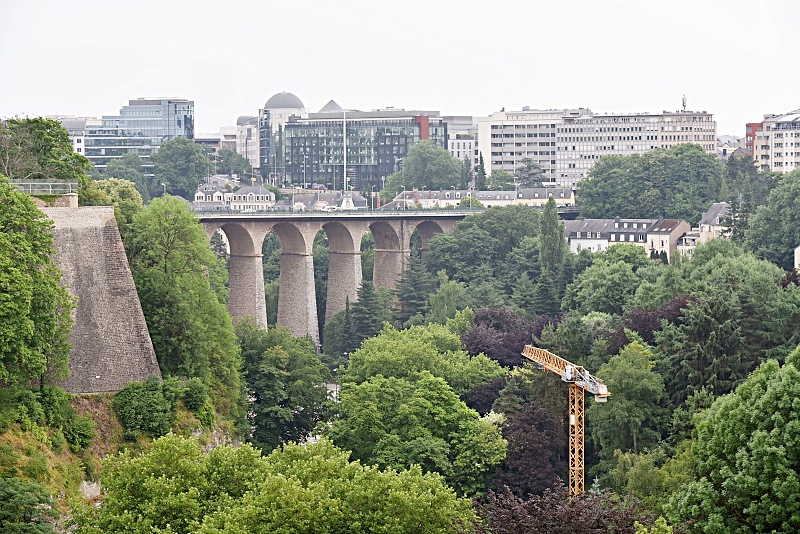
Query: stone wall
{"x":111,"y":345}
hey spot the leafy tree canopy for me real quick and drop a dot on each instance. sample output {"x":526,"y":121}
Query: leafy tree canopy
{"x":430,"y":167}
{"x":774,"y":229}
{"x":35,"y":309}
{"x":181,"y":165}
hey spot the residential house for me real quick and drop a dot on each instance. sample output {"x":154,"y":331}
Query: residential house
{"x":663,"y":236}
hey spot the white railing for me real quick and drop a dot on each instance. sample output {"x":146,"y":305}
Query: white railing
{"x":45,"y":188}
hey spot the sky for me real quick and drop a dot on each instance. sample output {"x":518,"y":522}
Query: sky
{"x":736,"y":59}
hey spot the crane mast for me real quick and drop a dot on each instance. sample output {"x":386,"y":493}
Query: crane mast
{"x":579,"y":380}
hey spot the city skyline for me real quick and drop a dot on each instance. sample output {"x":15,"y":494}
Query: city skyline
{"x":89,"y":58}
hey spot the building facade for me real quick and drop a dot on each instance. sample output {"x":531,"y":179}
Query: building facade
{"x":778,"y":145}
{"x":141,"y":127}
{"x":272,"y":120}
{"x":581,"y":140}
{"x":247,"y":141}
{"x":376,"y":141}
{"x":462,"y":139}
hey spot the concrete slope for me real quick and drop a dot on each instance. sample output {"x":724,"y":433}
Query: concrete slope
{"x":111,"y":345}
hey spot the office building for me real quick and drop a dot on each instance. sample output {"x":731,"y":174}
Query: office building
{"x":776,"y":146}
{"x":141,"y":127}
{"x":377,"y":142}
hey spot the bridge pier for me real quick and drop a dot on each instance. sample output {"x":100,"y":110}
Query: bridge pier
{"x":344,"y":279}
{"x":297,"y":301}
{"x":246,"y":288}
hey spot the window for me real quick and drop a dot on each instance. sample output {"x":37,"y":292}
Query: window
{"x":578,"y":235}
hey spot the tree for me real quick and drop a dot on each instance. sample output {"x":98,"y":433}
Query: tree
{"x":406,"y":353}
{"x":528,"y":173}
{"x":396,"y":423}
{"x":231,"y":162}
{"x":499,"y":333}
{"x":181,"y":165}
{"x":25,"y":508}
{"x":414,"y":290}
{"x":448,"y":299}
{"x":604,"y":287}
{"x":428,"y":166}
{"x":480,"y":175}
{"x":552,"y":245}
{"x":368,"y":313}
{"x":500,"y":180}
{"x":35,"y":309}
{"x":129,"y":167}
{"x":632,"y":418}
{"x":285,"y":385}
{"x":774,"y":229}
{"x":191,"y":330}
{"x":678,"y":182}
{"x":556,"y":512}
{"x":467,"y":174}
{"x":746,"y":474}
{"x":40,"y":150}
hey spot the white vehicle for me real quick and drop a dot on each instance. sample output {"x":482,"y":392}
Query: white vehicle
{"x":329,"y":208}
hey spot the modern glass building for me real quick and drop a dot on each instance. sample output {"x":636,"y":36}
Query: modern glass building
{"x":141,"y":127}
{"x":377,"y":142}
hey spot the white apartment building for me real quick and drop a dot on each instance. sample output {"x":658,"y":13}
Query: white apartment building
{"x":462,"y":138}
{"x":582,"y":140}
{"x":567,"y":142}
{"x":505,"y":138}
{"x":777,"y":146}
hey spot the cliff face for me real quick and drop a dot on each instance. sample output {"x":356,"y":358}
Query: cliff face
{"x":111,"y":345}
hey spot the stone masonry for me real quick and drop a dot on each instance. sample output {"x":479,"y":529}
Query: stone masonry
{"x":111,"y":345}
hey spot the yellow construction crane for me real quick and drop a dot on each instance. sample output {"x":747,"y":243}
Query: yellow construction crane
{"x":579,"y":380}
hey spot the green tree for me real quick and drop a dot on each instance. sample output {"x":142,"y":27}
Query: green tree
{"x":746,"y":475}
{"x":368,"y":312}
{"x":467,"y":173}
{"x":40,"y":150}
{"x":449,"y":298}
{"x":231,"y":162}
{"x":528,"y":173}
{"x":604,"y":287}
{"x":397,"y":423}
{"x":500,"y":180}
{"x":679,"y":182}
{"x":406,"y":353}
{"x":428,"y":166}
{"x":308,"y":488}
{"x":181,"y":165}
{"x":25,"y":508}
{"x":774,"y":229}
{"x":480,"y":175}
{"x":632,"y":418}
{"x":35,"y":309}
{"x":414,"y":290}
{"x":553,"y":247}
{"x":285,"y":385}
{"x":191,"y":330}
{"x":129,"y":167}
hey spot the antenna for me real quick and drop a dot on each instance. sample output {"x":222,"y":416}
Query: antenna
{"x":684,"y":102}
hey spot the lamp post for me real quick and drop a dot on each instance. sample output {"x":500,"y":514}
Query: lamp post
{"x":165,"y":188}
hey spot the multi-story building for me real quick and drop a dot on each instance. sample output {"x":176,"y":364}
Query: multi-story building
{"x":272,"y":120}
{"x":141,"y":127}
{"x":377,"y":142}
{"x":76,"y":127}
{"x":462,"y":139}
{"x":779,"y":143}
{"x":247,"y":140}
{"x":581,"y":140}
{"x":505,"y":138}
{"x":751,"y":130}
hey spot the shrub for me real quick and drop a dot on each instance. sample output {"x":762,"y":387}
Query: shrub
{"x":143,"y":406}
{"x":195,"y":394}
{"x":80,"y":432}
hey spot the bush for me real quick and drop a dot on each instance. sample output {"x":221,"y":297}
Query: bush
{"x":195,"y":394}
{"x":25,"y":507}
{"x":144,"y":406}
{"x":80,"y":432}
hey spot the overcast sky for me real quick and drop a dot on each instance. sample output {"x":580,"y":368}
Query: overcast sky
{"x":736,"y":59}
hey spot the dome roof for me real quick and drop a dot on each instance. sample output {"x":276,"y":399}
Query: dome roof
{"x":284,"y":100}
{"x":245,"y":119}
{"x":330,"y":107}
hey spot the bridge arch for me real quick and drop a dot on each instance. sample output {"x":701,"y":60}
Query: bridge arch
{"x":344,"y":264}
{"x":391,"y":251}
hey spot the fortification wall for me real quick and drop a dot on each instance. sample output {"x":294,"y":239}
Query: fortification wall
{"x":111,"y":345}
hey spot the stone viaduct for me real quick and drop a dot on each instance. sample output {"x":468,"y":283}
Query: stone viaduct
{"x":297,"y":308}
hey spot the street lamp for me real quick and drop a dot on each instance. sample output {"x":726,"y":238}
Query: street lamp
{"x":165,"y":187}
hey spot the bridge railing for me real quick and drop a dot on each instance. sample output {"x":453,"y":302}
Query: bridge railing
{"x":45,"y":188}
{"x":226,"y":212}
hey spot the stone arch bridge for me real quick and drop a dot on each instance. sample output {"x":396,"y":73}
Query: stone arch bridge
{"x":297,"y":307}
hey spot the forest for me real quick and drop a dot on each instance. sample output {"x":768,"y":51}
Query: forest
{"x":439,"y":425}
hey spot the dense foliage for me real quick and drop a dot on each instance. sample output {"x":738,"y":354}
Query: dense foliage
{"x":180,"y":165}
{"x":295,"y":489}
{"x":35,"y":309}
